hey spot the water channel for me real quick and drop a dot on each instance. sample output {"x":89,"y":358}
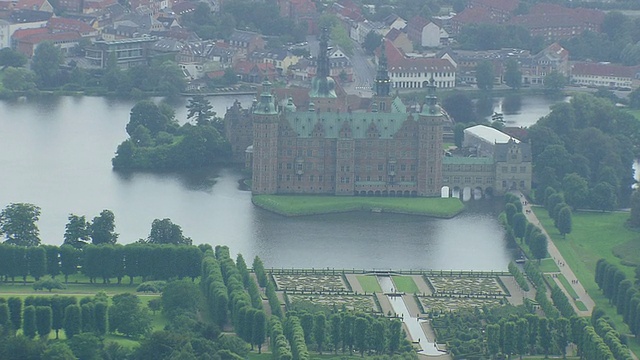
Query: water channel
{"x":56,"y":153}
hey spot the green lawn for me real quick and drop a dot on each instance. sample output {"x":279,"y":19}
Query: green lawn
{"x":71,"y":288}
{"x":369,"y":284}
{"x":634,"y":112}
{"x":292,"y":205}
{"x":405,"y":284}
{"x":594,"y":236}
{"x":548,"y":265}
{"x":581,"y":306}
{"x":567,"y":286}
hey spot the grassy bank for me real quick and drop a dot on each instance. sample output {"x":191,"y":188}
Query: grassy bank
{"x":594,"y":236}
{"x":293,"y":205}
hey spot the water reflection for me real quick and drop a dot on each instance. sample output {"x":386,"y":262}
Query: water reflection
{"x":511,"y":104}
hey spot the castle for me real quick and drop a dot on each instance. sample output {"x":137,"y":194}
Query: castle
{"x":381,"y":150}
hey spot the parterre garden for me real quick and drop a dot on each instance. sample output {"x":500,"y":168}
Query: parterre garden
{"x":450,"y":292}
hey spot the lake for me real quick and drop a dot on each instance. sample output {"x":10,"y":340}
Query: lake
{"x":56,"y":153}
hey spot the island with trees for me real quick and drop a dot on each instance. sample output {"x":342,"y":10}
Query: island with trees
{"x":157,"y":142}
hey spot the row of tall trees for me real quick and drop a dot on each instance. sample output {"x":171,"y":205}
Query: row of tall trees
{"x":506,"y":330}
{"x":537,"y":278}
{"x":346,"y":331}
{"x":558,"y":209}
{"x":245,"y":302}
{"x":517,"y":226}
{"x":107,"y":261}
{"x":39,"y":315}
{"x":621,"y":292}
{"x":231,"y":293}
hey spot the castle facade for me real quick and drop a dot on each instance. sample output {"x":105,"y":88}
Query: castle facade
{"x":383,"y":150}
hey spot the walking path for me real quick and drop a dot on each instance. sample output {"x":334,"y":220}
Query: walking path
{"x":557,"y":256}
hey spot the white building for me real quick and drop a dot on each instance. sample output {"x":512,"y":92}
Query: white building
{"x":484,"y":138}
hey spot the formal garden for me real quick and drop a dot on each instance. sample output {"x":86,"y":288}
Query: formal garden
{"x":435,"y":305}
{"x":489,"y":286}
{"x":310,"y":282}
{"x":361,"y":303}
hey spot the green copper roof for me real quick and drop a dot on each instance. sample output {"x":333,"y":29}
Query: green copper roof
{"x":398,"y":106}
{"x":387,"y":124}
{"x":459,"y":160}
{"x":266,"y":105}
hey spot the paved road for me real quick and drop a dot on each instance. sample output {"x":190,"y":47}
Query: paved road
{"x":557,"y":256}
{"x":364,"y":72}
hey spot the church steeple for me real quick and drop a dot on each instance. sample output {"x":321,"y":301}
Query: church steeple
{"x":382,"y":84}
{"x":322,"y":85}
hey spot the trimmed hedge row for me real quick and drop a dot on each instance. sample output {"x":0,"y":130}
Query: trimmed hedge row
{"x":517,"y":274}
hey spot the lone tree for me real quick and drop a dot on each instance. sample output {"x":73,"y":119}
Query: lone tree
{"x":76,"y":231}
{"x":200,"y":110}
{"x":512,"y":74}
{"x":18,"y":224}
{"x":539,"y":246}
{"x":102,"y":228}
{"x":554,"y":82}
{"x":166,"y":232}
{"x":371,"y":41}
{"x":564,"y":221}
{"x":485,"y":75}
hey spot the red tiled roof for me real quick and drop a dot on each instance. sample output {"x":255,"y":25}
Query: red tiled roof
{"x":504,"y":5}
{"x":393,"y":34}
{"x":546,"y":21}
{"x":23,"y":33}
{"x":394,"y":55}
{"x":473,"y":16}
{"x":243,"y":67}
{"x":423,"y":64}
{"x":98,"y":4}
{"x":69,"y":25}
{"x":585,"y":15}
{"x":38,"y":38}
{"x":417,"y":23}
{"x":397,"y":61}
{"x":557,"y":50}
{"x":29,"y":4}
{"x":599,"y":69}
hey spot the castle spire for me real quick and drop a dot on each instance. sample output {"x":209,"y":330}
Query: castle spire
{"x":323,"y":60}
{"x":382,"y":85}
{"x":322,"y":85}
{"x":430,"y":106}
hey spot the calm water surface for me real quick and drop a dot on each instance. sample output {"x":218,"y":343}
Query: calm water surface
{"x":56,"y":153}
